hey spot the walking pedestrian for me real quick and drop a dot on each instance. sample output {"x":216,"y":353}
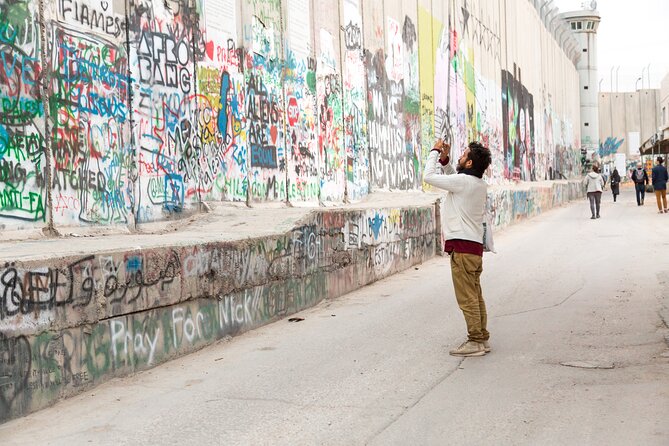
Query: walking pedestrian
{"x":594,"y":184}
{"x":615,"y":184}
{"x":463,"y":231}
{"x":660,"y":178}
{"x":640,"y":178}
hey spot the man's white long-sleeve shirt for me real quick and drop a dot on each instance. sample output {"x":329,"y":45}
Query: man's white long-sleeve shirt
{"x":464,"y":205}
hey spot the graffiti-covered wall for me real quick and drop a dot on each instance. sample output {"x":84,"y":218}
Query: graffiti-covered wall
{"x":125,"y":112}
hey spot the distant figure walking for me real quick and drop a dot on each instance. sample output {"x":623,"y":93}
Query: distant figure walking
{"x":640,"y":178}
{"x":615,"y":184}
{"x":660,"y":178}
{"x":594,"y":184}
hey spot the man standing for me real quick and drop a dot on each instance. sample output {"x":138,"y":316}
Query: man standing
{"x":464,"y":207}
{"x":660,"y":179}
{"x":640,"y":178}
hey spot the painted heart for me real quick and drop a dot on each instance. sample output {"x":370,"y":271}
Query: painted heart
{"x":209,"y":49}
{"x":104,"y":5}
{"x":273,"y":133}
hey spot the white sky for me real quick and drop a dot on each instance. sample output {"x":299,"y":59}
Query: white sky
{"x":632,"y":34}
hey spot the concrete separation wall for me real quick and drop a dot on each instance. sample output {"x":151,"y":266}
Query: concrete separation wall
{"x":67,"y":324}
{"x":117,"y":114}
{"x":508,"y":205}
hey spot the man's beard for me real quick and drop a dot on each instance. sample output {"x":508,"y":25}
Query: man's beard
{"x":459,"y":168}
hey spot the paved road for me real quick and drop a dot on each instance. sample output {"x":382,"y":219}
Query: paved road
{"x":373,"y":367}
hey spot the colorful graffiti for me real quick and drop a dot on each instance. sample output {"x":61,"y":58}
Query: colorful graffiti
{"x":152,"y":108}
{"x":330,"y":118}
{"x":610,"y":146}
{"x":23,"y":163}
{"x":355,"y":118}
{"x":518,"y":127}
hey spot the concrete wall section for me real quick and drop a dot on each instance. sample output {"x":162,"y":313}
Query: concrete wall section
{"x":627,"y":120}
{"x":23,"y":160}
{"x":354,"y":85}
{"x":329,"y":97}
{"x":152,"y":108}
{"x":507,"y":206}
{"x":301,"y":116}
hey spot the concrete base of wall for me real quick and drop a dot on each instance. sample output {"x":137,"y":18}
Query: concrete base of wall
{"x":79,"y":311}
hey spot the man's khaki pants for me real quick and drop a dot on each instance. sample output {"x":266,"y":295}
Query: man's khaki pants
{"x":466,"y":270}
{"x":661,"y":196}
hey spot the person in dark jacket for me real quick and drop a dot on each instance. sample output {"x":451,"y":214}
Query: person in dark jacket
{"x":615,"y":184}
{"x":660,"y":178}
{"x":640,"y":178}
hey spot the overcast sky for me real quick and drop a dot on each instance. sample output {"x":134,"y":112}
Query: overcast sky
{"x":632,"y":34}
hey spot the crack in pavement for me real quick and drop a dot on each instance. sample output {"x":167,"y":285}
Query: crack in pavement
{"x":418,"y":400}
{"x":542,"y":308}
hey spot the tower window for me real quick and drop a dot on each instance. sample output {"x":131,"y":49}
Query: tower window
{"x":585,"y":88}
{"x":585,"y":50}
{"x":587,"y":124}
{"x":579,"y":25}
{"x":573,"y":25}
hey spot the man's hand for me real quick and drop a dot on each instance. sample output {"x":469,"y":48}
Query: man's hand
{"x":444,"y":151}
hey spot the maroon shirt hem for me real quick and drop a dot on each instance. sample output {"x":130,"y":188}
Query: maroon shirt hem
{"x":463,"y":247}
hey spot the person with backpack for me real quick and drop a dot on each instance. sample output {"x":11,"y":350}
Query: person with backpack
{"x":660,"y":178}
{"x":640,"y":178}
{"x":594,"y":183}
{"x":615,"y":184}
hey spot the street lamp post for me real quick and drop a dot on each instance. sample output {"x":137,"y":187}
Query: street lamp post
{"x":636,"y":84}
{"x":617,"y":78}
{"x":642,"y":78}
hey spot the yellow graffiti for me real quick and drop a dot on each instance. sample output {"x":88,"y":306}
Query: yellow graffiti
{"x":429,"y":32}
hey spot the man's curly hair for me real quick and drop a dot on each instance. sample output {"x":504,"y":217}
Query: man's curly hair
{"x":480,"y":156}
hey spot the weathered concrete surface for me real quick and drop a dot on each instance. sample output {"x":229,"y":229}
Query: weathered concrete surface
{"x":372,"y":367}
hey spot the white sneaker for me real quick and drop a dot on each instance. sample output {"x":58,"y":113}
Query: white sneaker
{"x":469,"y":348}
